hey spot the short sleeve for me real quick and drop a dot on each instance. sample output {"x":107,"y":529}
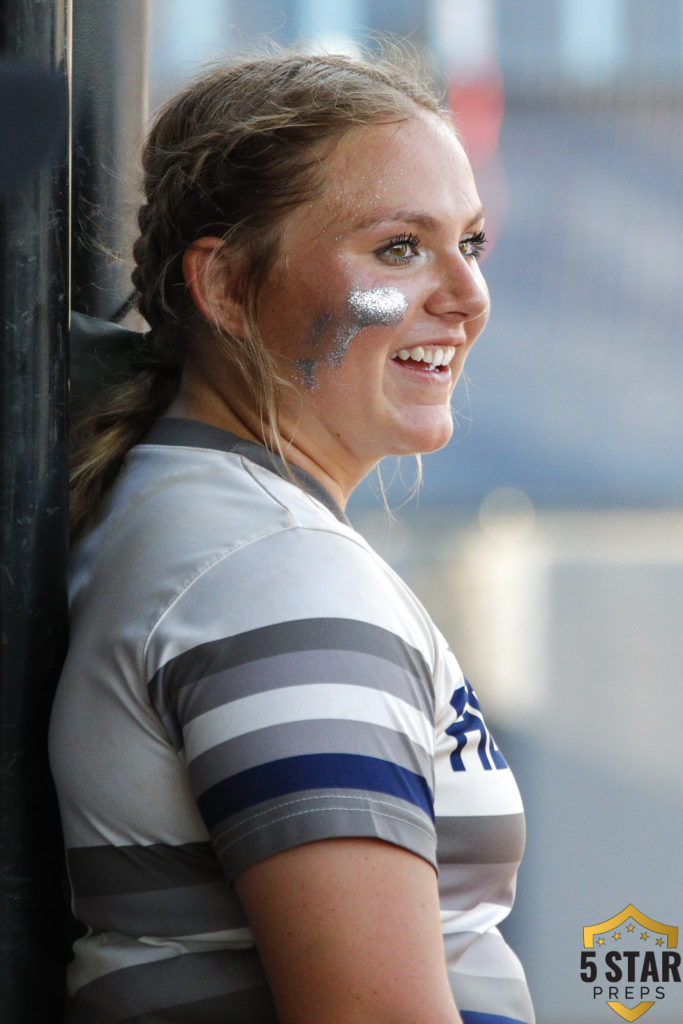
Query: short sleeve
{"x":309,"y":716}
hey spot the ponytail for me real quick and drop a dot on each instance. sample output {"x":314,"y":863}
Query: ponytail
{"x":103,"y":437}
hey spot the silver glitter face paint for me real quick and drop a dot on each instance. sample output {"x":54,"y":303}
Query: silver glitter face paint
{"x":377,"y":306}
{"x":373,"y":307}
{"x":306,"y":368}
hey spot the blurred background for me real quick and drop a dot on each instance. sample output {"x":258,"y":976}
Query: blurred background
{"x":547,"y":538}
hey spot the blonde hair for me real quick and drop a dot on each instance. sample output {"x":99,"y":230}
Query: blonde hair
{"x":230,"y":156}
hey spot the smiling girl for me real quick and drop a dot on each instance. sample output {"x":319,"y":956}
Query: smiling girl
{"x":280,"y":799}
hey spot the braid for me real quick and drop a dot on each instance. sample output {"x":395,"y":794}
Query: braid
{"x":120,"y":420}
{"x":124,"y":414}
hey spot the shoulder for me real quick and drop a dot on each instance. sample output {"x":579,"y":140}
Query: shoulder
{"x":313,"y":586}
{"x":176,"y":511}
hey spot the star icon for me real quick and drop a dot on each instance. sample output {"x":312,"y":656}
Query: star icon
{"x":660,"y":942}
{"x":644,"y":935}
{"x":630,"y":927}
{"x":601,"y":942}
{"x":616,"y":936}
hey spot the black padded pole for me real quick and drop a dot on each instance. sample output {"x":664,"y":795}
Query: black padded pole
{"x":34,"y":312}
{"x":109,"y":112}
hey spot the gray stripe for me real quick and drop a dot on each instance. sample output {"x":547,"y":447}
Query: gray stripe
{"x":252,"y":1007}
{"x":324,"y":634}
{"x":329,"y":736}
{"x":463,"y":886}
{"x":180,"y":911}
{"x":301,"y":668}
{"x":321,"y":814}
{"x":98,"y":870}
{"x":485,"y":839}
{"x":133,"y":992}
{"x":507,"y":997}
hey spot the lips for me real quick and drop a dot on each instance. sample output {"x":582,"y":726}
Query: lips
{"x":427,"y":358}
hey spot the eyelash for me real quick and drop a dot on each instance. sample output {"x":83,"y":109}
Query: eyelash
{"x":476,"y":245}
{"x":472,"y":247}
{"x":393,"y":243}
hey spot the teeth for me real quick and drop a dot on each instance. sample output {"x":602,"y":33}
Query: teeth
{"x":435,"y":356}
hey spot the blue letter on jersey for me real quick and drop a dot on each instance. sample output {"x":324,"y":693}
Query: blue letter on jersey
{"x":470,"y":720}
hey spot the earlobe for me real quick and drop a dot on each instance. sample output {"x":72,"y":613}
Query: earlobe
{"x":210,"y":274}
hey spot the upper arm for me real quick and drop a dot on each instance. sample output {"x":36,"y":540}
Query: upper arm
{"x":349,"y":933}
{"x":308,"y":734}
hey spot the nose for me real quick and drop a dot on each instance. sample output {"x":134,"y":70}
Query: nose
{"x":460,"y":293}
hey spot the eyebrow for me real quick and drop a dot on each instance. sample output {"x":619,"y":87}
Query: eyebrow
{"x":422,"y":220}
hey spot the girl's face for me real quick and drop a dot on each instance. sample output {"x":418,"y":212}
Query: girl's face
{"x":377,"y":297}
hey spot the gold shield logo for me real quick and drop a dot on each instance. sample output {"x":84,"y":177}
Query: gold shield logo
{"x":637,"y":953}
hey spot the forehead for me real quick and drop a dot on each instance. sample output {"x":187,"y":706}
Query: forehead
{"x":416,"y":163}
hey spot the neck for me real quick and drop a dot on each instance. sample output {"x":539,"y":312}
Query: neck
{"x":204,"y":400}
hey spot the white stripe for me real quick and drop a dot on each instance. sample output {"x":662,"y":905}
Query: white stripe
{"x":231,"y":938}
{"x":490,"y":957}
{"x":306,"y":703}
{"x":474,"y":792}
{"x":106,"y":952}
{"x":480,"y":919}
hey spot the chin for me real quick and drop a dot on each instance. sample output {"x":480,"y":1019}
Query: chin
{"x":426,"y":438}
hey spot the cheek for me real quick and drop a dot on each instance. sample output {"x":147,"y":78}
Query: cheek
{"x":377,"y":307}
{"x":330,"y":335}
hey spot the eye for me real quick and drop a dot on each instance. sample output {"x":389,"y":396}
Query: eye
{"x":401,"y":250}
{"x":472,"y":247}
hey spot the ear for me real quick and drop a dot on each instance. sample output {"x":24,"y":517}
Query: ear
{"x":210,"y":271}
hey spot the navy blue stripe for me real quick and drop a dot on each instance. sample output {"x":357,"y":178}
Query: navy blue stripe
{"x":470,"y":1017}
{"x":312,"y":771}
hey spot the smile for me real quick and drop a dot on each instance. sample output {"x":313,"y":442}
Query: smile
{"x":428,"y":358}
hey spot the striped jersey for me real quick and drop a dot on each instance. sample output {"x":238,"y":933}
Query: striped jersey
{"x":244,"y":675}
